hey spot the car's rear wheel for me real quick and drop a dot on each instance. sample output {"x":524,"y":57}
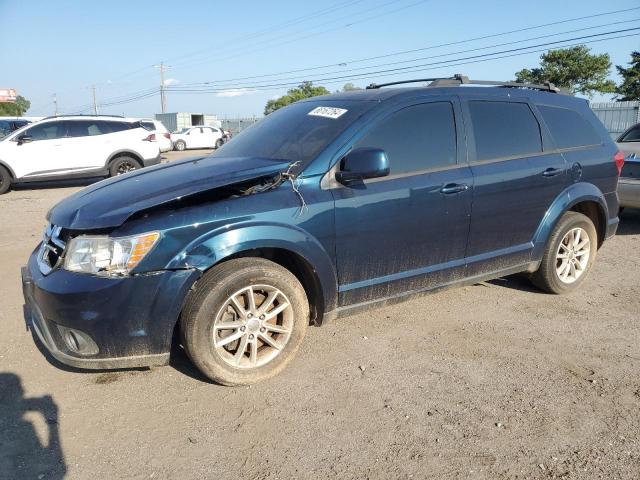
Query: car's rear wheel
{"x":180,"y":145}
{"x":5,"y":180}
{"x":244,"y":321}
{"x":219,"y":143}
{"x":569,"y":254}
{"x":122,"y":165}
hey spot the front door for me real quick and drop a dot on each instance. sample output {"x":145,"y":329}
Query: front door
{"x":44,"y":155}
{"x":407,"y":231}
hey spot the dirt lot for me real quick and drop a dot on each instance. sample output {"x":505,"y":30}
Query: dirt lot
{"x":492,"y":381}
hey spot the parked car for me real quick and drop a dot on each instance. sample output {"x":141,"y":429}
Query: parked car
{"x":9,"y":125}
{"x":66,"y":147}
{"x":196,"y":137}
{"x":629,"y":184}
{"x":163,"y":137}
{"x":329,"y":206}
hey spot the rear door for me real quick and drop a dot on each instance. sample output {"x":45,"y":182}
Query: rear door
{"x":407,"y":231}
{"x":516,"y":178}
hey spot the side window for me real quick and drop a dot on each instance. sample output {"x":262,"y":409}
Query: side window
{"x":416,"y":138}
{"x":47,"y":131}
{"x":148,"y":126}
{"x":504,"y":129}
{"x":568,"y":128}
{"x":112,"y":127}
{"x":632,"y":135}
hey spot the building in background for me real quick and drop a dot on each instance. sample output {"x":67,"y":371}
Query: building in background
{"x":617,"y":117}
{"x":179,"y":120}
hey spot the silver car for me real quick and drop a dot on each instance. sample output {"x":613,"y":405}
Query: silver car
{"x":629,"y":184}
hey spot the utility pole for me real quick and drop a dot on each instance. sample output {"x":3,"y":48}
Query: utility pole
{"x":55,"y":104}
{"x":95,"y":104}
{"x":163,"y":95}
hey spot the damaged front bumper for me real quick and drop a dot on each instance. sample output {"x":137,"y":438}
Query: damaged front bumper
{"x":92,"y":322}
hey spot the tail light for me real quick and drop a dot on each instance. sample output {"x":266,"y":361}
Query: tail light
{"x":167,"y":135}
{"x":619,"y":159}
{"x":151,"y":138}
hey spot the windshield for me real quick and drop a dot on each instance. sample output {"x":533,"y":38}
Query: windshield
{"x":298,"y":132}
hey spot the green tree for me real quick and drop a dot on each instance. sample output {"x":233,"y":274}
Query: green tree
{"x":16,"y":109}
{"x":304,"y":90}
{"x":572,"y":68}
{"x":349,"y":87}
{"x":629,"y":89}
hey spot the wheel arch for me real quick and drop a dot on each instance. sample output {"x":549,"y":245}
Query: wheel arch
{"x":124,"y":153}
{"x":583,"y":198}
{"x":9,"y":169}
{"x":288,"y":246}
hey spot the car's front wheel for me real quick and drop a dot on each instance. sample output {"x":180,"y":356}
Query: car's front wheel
{"x":569,"y":256}
{"x":180,"y":145}
{"x":5,"y":180}
{"x":245,"y":321}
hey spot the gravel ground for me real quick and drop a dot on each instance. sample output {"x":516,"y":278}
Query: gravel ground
{"x":491,"y":381}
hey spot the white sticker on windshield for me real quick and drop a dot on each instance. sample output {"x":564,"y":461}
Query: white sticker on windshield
{"x":328,"y":112}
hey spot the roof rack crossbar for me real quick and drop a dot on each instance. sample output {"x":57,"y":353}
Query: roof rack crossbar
{"x":460,"y":79}
{"x":81,"y":115}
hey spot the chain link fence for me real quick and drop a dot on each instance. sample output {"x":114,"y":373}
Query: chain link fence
{"x":236,"y":125}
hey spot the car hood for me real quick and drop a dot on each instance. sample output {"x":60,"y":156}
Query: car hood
{"x":109,"y":203}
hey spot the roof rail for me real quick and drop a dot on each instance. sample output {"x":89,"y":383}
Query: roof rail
{"x":81,"y":115}
{"x":460,"y":79}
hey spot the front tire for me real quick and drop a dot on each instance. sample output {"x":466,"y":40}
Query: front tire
{"x":180,"y":146}
{"x":5,"y":180}
{"x":569,"y":255}
{"x":122,"y":165}
{"x":245,"y":321}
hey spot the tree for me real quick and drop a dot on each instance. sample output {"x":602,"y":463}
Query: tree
{"x":572,"y":68}
{"x":304,"y":90}
{"x":349,"y":87}
{"x":16,"y":109}
{"x":629,"y":89}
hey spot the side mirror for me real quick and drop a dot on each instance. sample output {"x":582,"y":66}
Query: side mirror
{"x":363,"y":163}
{"x":25,"y":139}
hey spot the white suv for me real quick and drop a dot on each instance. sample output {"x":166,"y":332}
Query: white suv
{"x":163,"y":137}
{"x":75,"y":147}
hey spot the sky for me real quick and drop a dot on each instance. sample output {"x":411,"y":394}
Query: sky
{"x":66,"y":47}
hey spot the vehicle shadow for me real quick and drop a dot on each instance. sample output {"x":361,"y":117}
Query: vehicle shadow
{"x":180,"y":362}
{"x":23,"y":453}
{"x":629,"y":222}
{"x":56,"y":184}
{"x":518,"y":282}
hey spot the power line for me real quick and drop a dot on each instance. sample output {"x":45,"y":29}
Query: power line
{"x":399,"y":69}
{"x":430,"y":47}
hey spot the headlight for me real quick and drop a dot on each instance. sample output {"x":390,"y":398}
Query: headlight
{"x":102,"y":255}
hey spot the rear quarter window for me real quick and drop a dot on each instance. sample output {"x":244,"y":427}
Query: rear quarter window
{"x":504,"y":129}
{"x":568,"y":127}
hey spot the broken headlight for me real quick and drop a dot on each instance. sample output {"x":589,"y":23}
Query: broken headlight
{"x":108,"y":256}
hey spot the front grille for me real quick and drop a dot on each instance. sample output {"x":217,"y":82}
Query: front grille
{"x":51,"y":250}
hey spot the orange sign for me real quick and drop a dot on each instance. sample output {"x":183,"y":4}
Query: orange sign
{"x":8,"y":95}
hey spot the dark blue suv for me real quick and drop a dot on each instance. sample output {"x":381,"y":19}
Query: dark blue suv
{"x":326,"y":207}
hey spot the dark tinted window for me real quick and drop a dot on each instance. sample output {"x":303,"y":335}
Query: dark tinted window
{"x":504,"y":129}
{"x":632,"y":135}
{"x":47,"y":131}
{"x":568,"y":128}
{"x":114,"y":126}
{"x":148,"y":125}
{"x":298,"y":132}
{"x":86,"y":128}
{"x":416,"y":138}
{"x":5,"y":127}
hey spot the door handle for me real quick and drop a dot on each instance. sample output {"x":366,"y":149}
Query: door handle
{"x":552,"y":172}
{"x":451,"y":188}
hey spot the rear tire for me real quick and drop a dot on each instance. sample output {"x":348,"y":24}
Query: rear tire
{"x":122,"y":165}
{"x":5,"y":180}
{"x":219,"y":143}
{"x":180,"y":146}
{"x":569,"y":255}
{"x":235,"y":340}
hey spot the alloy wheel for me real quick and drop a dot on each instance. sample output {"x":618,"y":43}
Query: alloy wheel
{"x":126,"y":167}
{"x":573,"y":254}
{"x":253,"y":326}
